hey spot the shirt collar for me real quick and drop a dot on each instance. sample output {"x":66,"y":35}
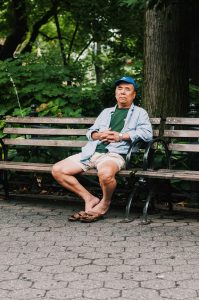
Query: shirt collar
{"x":130,"y":108}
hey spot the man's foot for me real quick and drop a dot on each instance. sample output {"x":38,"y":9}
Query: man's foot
{"x":90,"y":204}
{"x":101,"y":208}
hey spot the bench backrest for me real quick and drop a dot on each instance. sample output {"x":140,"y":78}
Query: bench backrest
{"x":57,"y":132}
{"x":182,"y":134}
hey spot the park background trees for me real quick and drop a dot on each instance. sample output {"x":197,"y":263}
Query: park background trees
{"x":171,"y":56}
{"x":64,"y":56}
{"x":66,"y":52}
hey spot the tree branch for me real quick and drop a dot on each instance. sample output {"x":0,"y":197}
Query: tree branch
{"x":18,"y":31}
{"x":87,"y":45}
{"x":49,"y":14}
{"x":72,"y":41}
{"x":60,"y":37}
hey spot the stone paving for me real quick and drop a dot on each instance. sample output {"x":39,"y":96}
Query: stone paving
{"x":43,"y":256}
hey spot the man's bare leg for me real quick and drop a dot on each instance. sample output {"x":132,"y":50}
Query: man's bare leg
{"x":106,"y":173}
{"x":64,"y":173}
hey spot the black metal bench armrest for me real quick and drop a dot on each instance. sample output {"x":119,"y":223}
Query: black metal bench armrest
{"x":148,"y":157}
{"x":135,"y":146}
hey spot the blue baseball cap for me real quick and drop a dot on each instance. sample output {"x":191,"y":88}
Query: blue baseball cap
{"x":127,"y":79}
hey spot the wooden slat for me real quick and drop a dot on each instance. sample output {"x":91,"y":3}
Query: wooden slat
{"x":156,"y":132}
{"x":181,"y":133}
{"x":46,"y":168}
{"x":169,"y":174}
{"x":122,"y":173}
{"x":50,"y":143}
{"x":52,"y":131}
{"x":155,"y":121}
{"x":184,"y":147}
{"x":182,"y":121}
{"x":26,"y":168}
{"x":44,"y":131}
{"x":15,"y":163}
{"x":48,"y":120}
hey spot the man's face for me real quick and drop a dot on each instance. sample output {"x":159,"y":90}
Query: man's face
{"x":124,"y":94}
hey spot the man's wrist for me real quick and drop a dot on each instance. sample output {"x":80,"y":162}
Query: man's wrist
{"x":95,"y":135}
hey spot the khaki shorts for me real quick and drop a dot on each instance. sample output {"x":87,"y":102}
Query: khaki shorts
{"x":97,"y":159}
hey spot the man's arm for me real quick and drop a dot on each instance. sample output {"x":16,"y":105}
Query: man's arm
{"x":95,"y":128}
{"x":143,"y":128}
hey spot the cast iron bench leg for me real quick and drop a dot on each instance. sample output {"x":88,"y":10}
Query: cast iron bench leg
{"x":129,"y":203}
{"x":145,"y":209}
{"x":4,"y":177}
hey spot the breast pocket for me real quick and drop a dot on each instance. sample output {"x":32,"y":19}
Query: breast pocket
{"x":103,"y":127}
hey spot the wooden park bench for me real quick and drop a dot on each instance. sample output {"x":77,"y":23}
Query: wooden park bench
{"x":30,"y":135}
{"x":179,"y":143}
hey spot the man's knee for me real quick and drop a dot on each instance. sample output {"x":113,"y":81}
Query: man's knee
{"x":106,"y":176}
{"x":55,"y":170}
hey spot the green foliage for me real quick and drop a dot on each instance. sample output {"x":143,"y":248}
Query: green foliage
{"x":132,"y":2}
{"x":3,"y":17}
{"x":2,"y":124}
{"x":194,"y":93}
{"x":84,"y":25}
{"x":42,"y":81}
{"x":157,"y":4}
{"x":150,"y":4}
{"x":55,"y":89}
{"x":40,"y":77}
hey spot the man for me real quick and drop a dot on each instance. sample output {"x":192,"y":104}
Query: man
{"x":108,"y":142}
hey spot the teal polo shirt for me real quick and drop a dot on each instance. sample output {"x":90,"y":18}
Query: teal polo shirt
{"x":116,"y":124}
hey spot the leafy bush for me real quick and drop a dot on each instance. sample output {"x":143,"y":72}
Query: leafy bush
{"x":42,"y":80}
{"x":194,"y":96}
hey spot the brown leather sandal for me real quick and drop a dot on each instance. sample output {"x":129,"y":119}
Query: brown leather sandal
{"x":76,"y":216}
{"x":91,"y":216}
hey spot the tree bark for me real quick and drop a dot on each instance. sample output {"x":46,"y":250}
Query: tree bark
{"x":18,"y":31}
{"x":166,"y":60}
{"x":97,"y":65}
{"x":194,"y":43}
{"x":72,"y":42}
{"x":61,"y":44}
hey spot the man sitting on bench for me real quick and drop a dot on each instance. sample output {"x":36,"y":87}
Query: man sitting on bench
{"x":108,"y":142}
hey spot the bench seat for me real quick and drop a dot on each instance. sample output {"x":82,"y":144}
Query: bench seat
{"x":169,"y":174}
{"x":46,"y":168}
{"x":36,"y":137}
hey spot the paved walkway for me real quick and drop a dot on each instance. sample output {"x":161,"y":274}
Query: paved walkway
{"x":43,"y":256}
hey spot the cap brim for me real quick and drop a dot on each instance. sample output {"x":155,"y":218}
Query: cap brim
{"x":126,"y":81}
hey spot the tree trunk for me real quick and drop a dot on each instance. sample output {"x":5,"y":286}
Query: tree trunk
{"x":166,"y":60}
{"x":194,"y":43}
{"x":97,"y":63}
{"x":18,"y":32}
{"x":61,"y":44}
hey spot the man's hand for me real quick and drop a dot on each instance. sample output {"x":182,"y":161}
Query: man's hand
{"x":106,"y":136}
{"x":113,"y":137}
{"x":101,"y":135}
